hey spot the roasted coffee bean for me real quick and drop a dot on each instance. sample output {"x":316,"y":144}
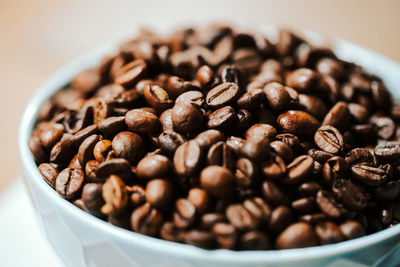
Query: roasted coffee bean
{"x":277,"y":95}
{"x":129,"y":146}
{"x":241,"y":218}
{"x":226,"y":235}
{"x":220,"y":154}
{"x":261,"y":129}
{"x":351,"y":229}
{"x":254,"y":240}
{"x":185,"y":213}
{"x":304,"y":205}
{"x":222,"y":95}
{"x":385,"y":127}
{"x":256,"y":147}
{"x":359,"y":156}
{"x":203,"y":239}
{"x":188,"y":158}
{"x":166,"y":120}
{"x":328,"y":233}
{"x":209,"y":219}
{"x":51,"y":134}
{"x":223,"y":118}
{"x":303,"y":80}
{"x":49,"y":173}
{"x":313,"y":218}
{"x":204,"y":75}
{"x":69,"y":183}
{"x":298,"y":122}
{"x":129,"y":74}
{"x":143,"y":122}
{"x":196,"y":98}
{"x":297,"y":235}
{"x":299,"y":169}
{"x":90,"y":170}
{"x":38,"y":152}
{"x":236,"y":144}
{"x":169,"y":232}
{"x":252,"y":99}
{"x":114,"y":195}
{"x":209,"y":137}
{"x":258,"y":208}
{"x":328,"y":205}
{"x":334,"y":168}
{"x":159,"y":192}
{"x":338,"y":116}
{"x":102,"y":149}
{"x":244,"y":120}
{"x":281,"y":217}
{"x":111,"y":126}
{"x":120,"y":167}
{"x":329,"y":139}
{"x":169,"y":141}
{"x":387,"y":192}
{"x":186,"y":118}
{"x":308,"y":189}
{"x":372,"y":176}
{"x":199,"y":199}
{"x":62,"y":151}
{"x":85,"y":151}
{"x":273,"y":194}
{"x":153,"y":166}
{"x":137,"y":195}
{"x":230,"y":73}
{"x":331,"y":67}
{"x":246,"y":173}
{"x":217,"y":181}
{"x":283,"y":150}
{"x":157,"y":97}
{"x":358,"y":112}
{"x":274,"y":167}
{"x":319,"y":155}
{"x":146,"y":220}
{"x":388,"y":150}
{"x":92,"y":198}
{"x":349,"y":194}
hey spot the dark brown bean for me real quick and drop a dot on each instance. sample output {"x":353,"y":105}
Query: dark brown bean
{"x":299,"y":170}
{"x":372,"y":176}
{"x":188,"y":158}
{"x":153,"y":166}
{"x":186,"y":118}
{"x":328,"y":233}
{"x":223,"y":94}
{"x":69,"y":183}
{"x":217,"y":181}
{"x":298,"y":122}
{"x":129,"y":146}
{"x":159,"y":192}
{"x":297,"y":235}
{"x":329,"y":139}
{"x":241,"y":218}
{"x":349,"y":194}
{"x":146,"y":220}
{"x":49,"y":173}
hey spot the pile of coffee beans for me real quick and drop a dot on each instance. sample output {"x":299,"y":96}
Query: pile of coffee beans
{"x":222,"y":139}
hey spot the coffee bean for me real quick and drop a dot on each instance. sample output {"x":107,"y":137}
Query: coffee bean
{"x":69,"y":183}
{"x":283,"y":150}
{"x":256,"y":147}
{"x":236,"y":144}
{"x":230,"y":73}
{"x":258,"y":208}
{"x":246,"y":172}
{"x":217,"y":181}
{"x":49,"y":173}
{"x":372,"y":176}
{"x":85,"y":151}
{"x":204,"y":75}
{"x":299,"y":169}
{"x":129,"y":74}
{"x":199,"y":199}
{"x":92,"y":198}
{"x":349,"y":194}
{"x":169,"y":232}
{"x":222,"y":118}
{"x":209,"y":137}
{"x":38,"y":152}
{"x":196,"y":98}
{"x":319,"y":155}
{"x":169,"y":141}
{"x":140,"y":121}
{"x":358,"y":112}
{"x":261,"y":129}
{"x":90,"y":170}
{"x":351,"y":229}
{"x":254,"y":240}
{"x":222,"y":95}
{"x":245,"y":119}
{"x":303,"y":80}
{"x":146,"y":220}
{"x":387,"y":192}
{"x":226,"y":235}
{"x":297,"y":235}
{"x":159,"y":192}
{"x":359,"y":156}
{"x":278,"y":97}
{"x":198,"y":238}
{"x":220,"y":154}
{"x":309,"y":189}
{"x":298,"y":122}
{"x":51,"y":134}
{"x":331,"y":67}
{"x":185,"y":213}
{"x":252,"y":99}
{"x":241,"y":218}
{"x":313,"y":218}
{"x":334,"y":168}
{"x":157,"y":97}
{"x":114,"y":195}
{"x":186,"y":118}
{"x":154,"y":166}
{"x":304,"y":205}
{"x":274,"y":167}
{"x":188,"y":158}
{"x":328,"y":233}
{"x":328,"y":204}
{"x":388,"y":150}
{"x":102,"y":149}
{"x":166,"y":120}
{"x":129,"y":146}
{"x":111,"y":126}
{"x":385,"y":127}
{"x":120,"y":167}
{"x":329,"y":139}
{"x":273,"y":194}
{"x":62,"y":151}
{"x":338,"y":116}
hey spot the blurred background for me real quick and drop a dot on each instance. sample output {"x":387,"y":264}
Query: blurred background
{"x":38,"y":37}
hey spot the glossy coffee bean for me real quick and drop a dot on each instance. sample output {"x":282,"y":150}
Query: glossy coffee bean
{"x":49,"y":173}
{"x":128,"y":145}
{"x":142,"y":122}
{"x":220,"y":154}
{"x":92,"y":198}
{"x":200,"y":199}
{"x":329,"y":139}
{"x":146,"y":220}
{"x":184,"y":214}
{"x":222,"y":118}
{"x":349,"y":194}
{"x":186,"y":118}
{"x":222,"y":95}
{"x":297,"y":235}
{"x":241,"y":218}
{"x":69,"y":183}
{"x":115,"y":195}
{"x":328,"y":233}
{"x":298,"y":122}
{"x":217,"y":181}
{"x":188,"y":158}
{"x":153,"y":166}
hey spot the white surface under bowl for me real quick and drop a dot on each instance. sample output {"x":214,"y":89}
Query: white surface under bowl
{"x":81,"y":239}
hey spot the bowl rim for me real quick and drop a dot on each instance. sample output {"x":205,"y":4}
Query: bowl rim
{"x":62,"y":77}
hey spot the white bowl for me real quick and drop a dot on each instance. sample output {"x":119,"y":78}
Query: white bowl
{"x":81,"y":239}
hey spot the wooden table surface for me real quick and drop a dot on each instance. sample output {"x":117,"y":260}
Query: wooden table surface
{"x":37,"y":37}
